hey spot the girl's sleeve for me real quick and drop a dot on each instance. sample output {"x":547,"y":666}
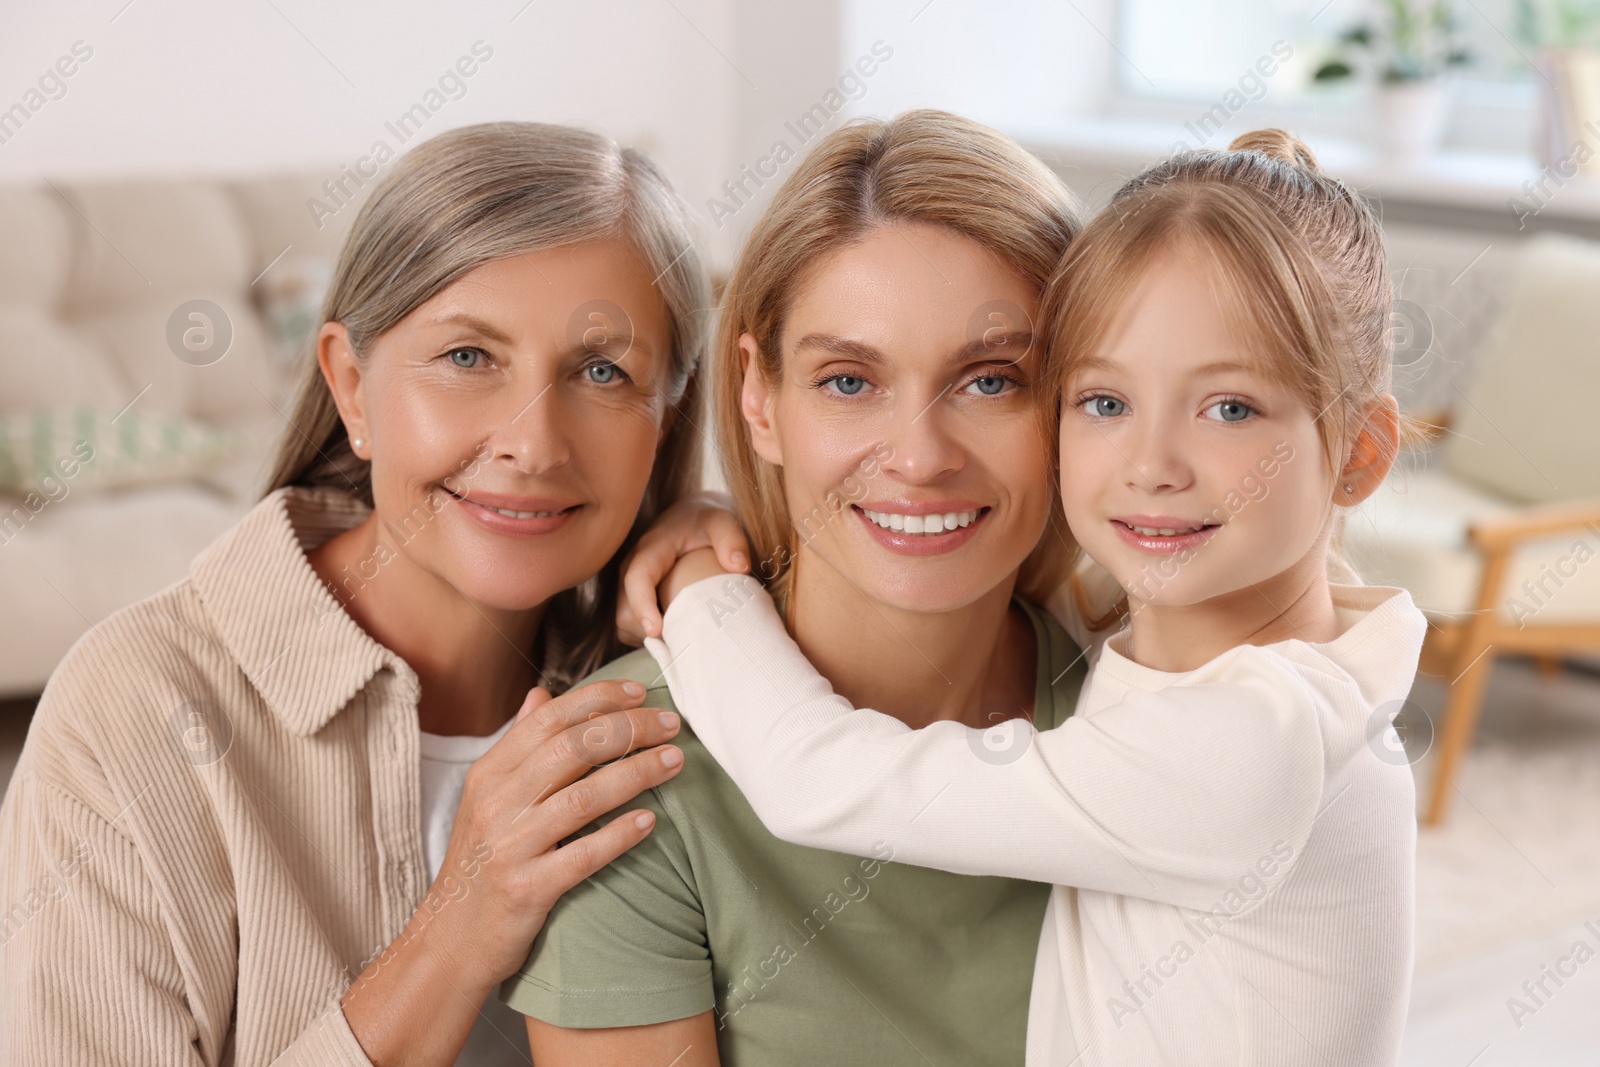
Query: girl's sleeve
{"x":1169,"y":796}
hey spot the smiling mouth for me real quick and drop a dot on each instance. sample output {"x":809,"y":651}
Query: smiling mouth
{"x":1168,"y":531}
{"x":508,"y":513}
{"x":923,"y":524}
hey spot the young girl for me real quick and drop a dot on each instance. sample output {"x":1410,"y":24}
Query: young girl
{"x":1233,"y":856}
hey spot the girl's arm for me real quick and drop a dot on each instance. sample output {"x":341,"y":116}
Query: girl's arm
{"x":1169,"y":796}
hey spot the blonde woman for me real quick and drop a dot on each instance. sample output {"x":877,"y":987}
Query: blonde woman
{"x":876,"y":333}
{"x":1232,"y":838}
{"x":243,"y":829}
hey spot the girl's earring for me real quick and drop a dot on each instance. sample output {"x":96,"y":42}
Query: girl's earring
{"x":359,"y":442}
{"x":1349,"y":488}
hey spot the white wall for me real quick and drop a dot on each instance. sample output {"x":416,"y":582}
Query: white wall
{"x":237,"y":87}
{"x":706,"y":86}
{"x":1016,"y":64}
{"x":1010,"y":63}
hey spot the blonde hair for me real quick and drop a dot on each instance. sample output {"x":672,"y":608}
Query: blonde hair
{"x":922,"y":166}
{"x":1305,"y":275}
{"x":482,"y":193}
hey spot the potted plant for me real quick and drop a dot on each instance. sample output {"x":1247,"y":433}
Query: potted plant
{"x":1408,"y":49}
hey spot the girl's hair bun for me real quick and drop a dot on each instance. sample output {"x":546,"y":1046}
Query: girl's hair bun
{"x":1278,"y":144}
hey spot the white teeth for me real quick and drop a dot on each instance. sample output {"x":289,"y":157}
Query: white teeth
{"x":507,"y":512}
{"x":921,"y":524}
{"x":1152,"y":531}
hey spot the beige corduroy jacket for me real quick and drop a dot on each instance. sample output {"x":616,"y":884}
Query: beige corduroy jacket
{"x":214,"y":825}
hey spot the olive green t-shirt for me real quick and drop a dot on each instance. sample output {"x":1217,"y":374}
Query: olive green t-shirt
{"x":806,"y":956}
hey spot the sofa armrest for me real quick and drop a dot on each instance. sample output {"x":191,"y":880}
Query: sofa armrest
{"x":1501,"y":533}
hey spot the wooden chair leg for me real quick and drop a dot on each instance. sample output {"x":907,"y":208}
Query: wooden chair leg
{"x":1460,"y":723}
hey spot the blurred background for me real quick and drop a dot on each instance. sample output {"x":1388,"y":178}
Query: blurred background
{"x":175,"y":179}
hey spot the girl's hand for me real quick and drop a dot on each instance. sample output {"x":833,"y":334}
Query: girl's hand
{"x":505,"y":867}
{"x":702,"y":521}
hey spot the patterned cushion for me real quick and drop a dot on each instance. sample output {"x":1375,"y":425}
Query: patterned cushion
{"x":52,"y":451}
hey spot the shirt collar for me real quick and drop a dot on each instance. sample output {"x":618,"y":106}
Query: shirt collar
{"x":288,"y":633}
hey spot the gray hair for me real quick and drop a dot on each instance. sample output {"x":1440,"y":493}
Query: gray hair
{"x":487,"y":192}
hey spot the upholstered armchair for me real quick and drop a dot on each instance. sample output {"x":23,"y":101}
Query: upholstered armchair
{"x":1496,"y":533}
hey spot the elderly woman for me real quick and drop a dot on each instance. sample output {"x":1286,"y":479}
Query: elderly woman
{"x":243,"y":829}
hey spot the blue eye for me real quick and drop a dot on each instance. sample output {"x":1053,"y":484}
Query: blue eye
{"x":465,"y":358}
{"x":991,"y":384}
{"x":1230,"y":411}
{"x":1104,"y":406}
{"x":848,"y":384}
{"x":602,"y":373}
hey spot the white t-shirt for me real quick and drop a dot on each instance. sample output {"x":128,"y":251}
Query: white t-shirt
{"x":1233,"y":847}
{"x":499,"y":1037}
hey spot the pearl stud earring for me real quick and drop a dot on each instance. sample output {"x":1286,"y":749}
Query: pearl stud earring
{"x":359,"y":442}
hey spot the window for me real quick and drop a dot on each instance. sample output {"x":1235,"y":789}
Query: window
{"x":1177,"y":54}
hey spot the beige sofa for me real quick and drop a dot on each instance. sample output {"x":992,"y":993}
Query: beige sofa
{"x":90,"y":275}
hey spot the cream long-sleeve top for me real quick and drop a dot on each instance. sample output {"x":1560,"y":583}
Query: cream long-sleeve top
{"x":215,"y":820}
{"x":1232,"y":847}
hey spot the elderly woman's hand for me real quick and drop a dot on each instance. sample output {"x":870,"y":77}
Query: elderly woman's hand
{"x":505,"y":866}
